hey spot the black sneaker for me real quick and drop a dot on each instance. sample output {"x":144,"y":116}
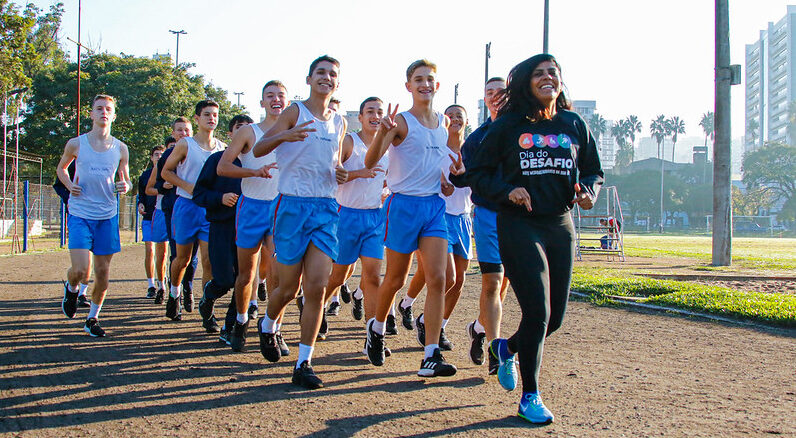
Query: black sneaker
{"x":237,"y":339}
{"x":69,"y":303}
{"x":389,"y":326}
{"x":82,"y":301}
{"x":173,"y":309}
{"x":206,"y":312}
{"x":374,"y":344}
{"x":444,"y":343}
{"x":356,"y":309}
{"x":435,"y":366}
{"x":262,"y":295}
{"x":187,"y":300}
{"x":387,"y":351}
{"x":334,"y":309}
{"x":407,"y":318}
{"x":494,"y":364}
{"x":345,"y":294}
{"x":223,"y":336}
{"x":159,"y":296}
{"x":323,"y":331}
{"x":476,"y":344}
{"x":283,"y":348}
{"x":150,"y":293}
{"x":421,"y":331}
{"x":300,"y":304}
{"x":93,"y":328}
{"x":305,"y":377}
{"x":269,"y":347}
{"x":253,"y":312}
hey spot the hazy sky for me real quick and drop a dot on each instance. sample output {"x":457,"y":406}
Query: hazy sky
{"x":632,"y":57}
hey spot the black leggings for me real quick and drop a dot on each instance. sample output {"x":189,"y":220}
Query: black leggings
{"x":537,"y":253}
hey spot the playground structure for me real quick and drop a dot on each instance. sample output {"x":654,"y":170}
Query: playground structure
{"x":608,"y":236}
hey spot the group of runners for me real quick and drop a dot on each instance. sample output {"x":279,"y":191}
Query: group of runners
{"x":293,"y":202}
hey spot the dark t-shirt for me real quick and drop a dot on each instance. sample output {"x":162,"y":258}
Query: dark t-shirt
{"x":148,"y":201}
{"x":546,"y":157}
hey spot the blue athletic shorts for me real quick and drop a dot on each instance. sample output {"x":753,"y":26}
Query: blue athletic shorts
{"x":486,"y":240}
{"x":253,"y":221}
{"x":155,"y":230}
{"x":360,"y":233}
{"x":299,"y":221}
{"x":98,"y":236}
{"x":188,"y":222}
{"x":460,"y":228}
{"x":411,"y":217}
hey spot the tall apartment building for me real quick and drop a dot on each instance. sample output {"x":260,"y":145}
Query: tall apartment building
{"x":770,"y":88}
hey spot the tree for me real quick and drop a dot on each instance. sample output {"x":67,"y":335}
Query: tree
{"x":751,"y":130}
{"x":598,"y":126}
{"x":150,"y":93}
{"x":658,"y":131}
{"x":633,"y":126}
{"x":15,"y":52}
{"x":772,"y":169}
{"x":751,"y":202}
{"x":707,"y":126}
{"x":624,"y":156}
{"x":675,"y":126}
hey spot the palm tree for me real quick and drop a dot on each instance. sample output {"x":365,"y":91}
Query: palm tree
{"x":658,"y":131}
{"x":623,"y":156}
{"x":598,"y":126}
{"x":751,"y":129}
{"x":633,"y":125}
{"x":676,"y":126}
{"x":707,"y":126}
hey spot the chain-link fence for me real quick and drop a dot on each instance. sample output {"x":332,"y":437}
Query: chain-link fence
{"x":45,"y":209}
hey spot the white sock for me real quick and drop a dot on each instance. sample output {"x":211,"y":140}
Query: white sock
{"x":94,"y":311}
{"x":429,"y":350}
{"x":243,"y":318}
{"x":268,"y":325}
{"x":478,"y":327}
{"x":253,"y":302}
{"x":378,"y":326}
{"x":422,"y":319}
{"x":262,"y":281}
{"x":277,"y":325}
{"x":407,"y":302}
{"x":151,"y":282}
{"x":358,"y":294}
{"x":444,"y":322}
{"x":83,"y":287}
{"x":175,"y":291}
{"x":336,"y":299}
{"x":305,"y":353}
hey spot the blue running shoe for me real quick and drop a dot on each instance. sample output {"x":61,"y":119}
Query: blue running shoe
{"x":533,"y":410}
{"x":507,"y":374}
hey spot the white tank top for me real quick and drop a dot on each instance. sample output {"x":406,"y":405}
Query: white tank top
{"x":459,"y":202}
{"x":95,"y":173}
{"x":195,"y":158}
{"x":307,"y":167}
{"x":415,"y":163}
{"x":264,"y":189}
{"x":159,"y":202}
{"x":361,"y":193}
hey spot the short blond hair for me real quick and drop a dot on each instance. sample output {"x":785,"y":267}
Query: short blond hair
{"x":417,"y":64}
{"x":107,"y":97}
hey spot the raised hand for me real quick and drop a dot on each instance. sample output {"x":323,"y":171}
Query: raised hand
{"x":457,"y":166}
{"x":298,"y":132}
{"x":340,"y":174}
{"x":388,"y":121}
{"x":520,"y":196}
{"x":229,"y":199}
{"x":582,"y":198}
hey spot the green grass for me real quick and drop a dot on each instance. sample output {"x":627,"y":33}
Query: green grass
{"x":749,"y":252}
{"x":776,"y":309}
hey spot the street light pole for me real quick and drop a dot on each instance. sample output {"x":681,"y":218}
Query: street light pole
{"x":177,"y":55}
{"x":456,"y":94}
{"x":239,"y":94}
{"x":546,"y":26}
{"x":488,"y":54}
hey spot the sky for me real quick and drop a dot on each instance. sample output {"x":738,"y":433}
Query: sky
{"x":632,"y":57}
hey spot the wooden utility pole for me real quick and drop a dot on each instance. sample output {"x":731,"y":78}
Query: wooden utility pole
{"x":722,"y":200}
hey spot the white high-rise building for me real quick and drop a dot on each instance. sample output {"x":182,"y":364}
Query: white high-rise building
{"x":770,"y":88}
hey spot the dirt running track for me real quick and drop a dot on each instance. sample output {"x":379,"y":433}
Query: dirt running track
{"x":607,"y":372}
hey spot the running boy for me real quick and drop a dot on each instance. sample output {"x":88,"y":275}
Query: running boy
{"x":189,"y":225}
{"x":154,"y":234}
{"x":93,"y":210}
{"x":415,"y":213}
{"x":305,"y":215}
